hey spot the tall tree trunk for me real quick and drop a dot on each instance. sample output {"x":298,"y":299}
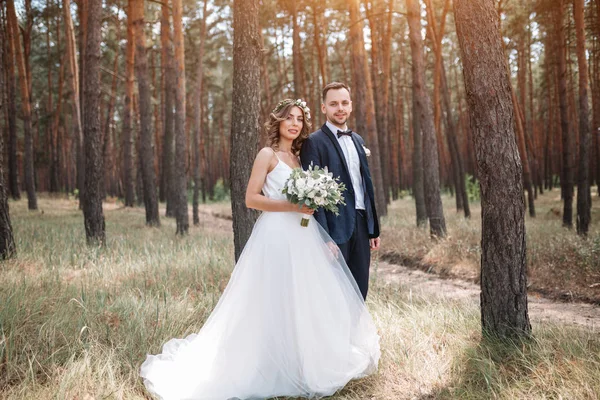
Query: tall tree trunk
{"x":168,"y":83}
{"x":520,"y":131}
{"x":55,"y":129}
{"x":596,"y":95}
{"x":431,"y":187}
{"x":198,"y":116}
{"x":246,"y":111}
{"x":94,"y":169}
{"x":567,"y":145}
{"x":25,"y":107}
{"x":437,"y":34}
{"x":109,"y":142}
{"x":584,"y":196}
{"x":83,"y":11}
{"x":299,"y":77}
{"x":321,"y":52}
{"x":11,"y":94}
{"x":381,"y":91}
{"x":7,"y":241}
{"x":145,"y":105}
{"x":128,"y":134}
{"x":364,"y":103}
{"x":457,"y":162}
{"x":503,"y":256}
{"x":179,"y":174}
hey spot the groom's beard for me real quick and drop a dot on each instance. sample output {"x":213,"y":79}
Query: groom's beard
{"x":340,"y":123}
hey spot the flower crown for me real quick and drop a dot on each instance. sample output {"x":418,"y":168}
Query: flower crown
{"x":298,"y":103}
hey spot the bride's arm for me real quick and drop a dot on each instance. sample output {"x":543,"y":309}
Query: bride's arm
{"x":254,"y":198}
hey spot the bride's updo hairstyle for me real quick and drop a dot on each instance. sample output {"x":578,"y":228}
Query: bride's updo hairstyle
{"x":279,"y":114}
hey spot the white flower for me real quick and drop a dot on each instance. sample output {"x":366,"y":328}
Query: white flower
{"x":367,"y":151}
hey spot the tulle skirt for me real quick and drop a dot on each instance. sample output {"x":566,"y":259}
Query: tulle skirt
{"x":291,"y":322}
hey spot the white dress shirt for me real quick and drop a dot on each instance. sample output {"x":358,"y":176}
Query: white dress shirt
{"x":353,"y":162}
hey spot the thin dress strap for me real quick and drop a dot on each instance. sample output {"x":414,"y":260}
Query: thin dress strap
{"x":274,"y":152}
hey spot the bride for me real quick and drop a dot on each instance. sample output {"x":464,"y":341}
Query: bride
{"x":291,"y":321}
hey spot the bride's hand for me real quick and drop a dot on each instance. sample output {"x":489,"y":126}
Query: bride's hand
{"x":304,"y":210}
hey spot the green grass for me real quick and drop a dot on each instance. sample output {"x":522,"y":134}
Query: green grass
{"x":77,"y":322}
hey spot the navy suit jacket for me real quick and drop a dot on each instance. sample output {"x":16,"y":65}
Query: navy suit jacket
{"x":323,"y":149}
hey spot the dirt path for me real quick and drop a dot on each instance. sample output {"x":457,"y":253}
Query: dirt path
{"x":540,"y":309}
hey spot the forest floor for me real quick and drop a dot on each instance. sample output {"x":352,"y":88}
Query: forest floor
{"x":76,"y":322}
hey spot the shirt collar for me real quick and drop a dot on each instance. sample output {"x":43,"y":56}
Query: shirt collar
{"x":333,"y":128}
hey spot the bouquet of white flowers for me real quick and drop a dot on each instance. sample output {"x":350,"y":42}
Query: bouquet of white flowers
{"x":314,"y":188}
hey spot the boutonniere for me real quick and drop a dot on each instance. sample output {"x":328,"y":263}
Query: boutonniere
{"x":367,"y":151}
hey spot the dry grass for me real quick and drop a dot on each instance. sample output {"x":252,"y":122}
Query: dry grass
{"x":76,"y":323}
{"x":561,"y":264}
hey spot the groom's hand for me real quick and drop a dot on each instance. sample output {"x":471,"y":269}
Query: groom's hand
{"x":374,"y":243}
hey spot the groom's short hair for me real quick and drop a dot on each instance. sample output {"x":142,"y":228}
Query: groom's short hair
{"x":334,"y":85}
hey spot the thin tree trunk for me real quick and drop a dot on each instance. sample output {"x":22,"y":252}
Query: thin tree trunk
{"x":92,"y":204}
{"x":50,"y":104}
{"x":503,"y":249}
{"x":523,"y":154}
{"x":145,"y":104}
{"x":364,"y":103}
{"x":7,"y":242}
{"x":168,"y":84}
{"x":179,"y":174}
{"x":25,"y":107}
{"x":457,"y":162}
{"x":55,"y":129}
{"x":381,"y":94}
{"x":83,"y":11}
{"x":567,"y":155}
{"x":437,"y":33}
{"x":299,"y":78}
{"x":431,"y":184}
{"x":128,"y":134}
{"x":109,"y":152}
{"x":246,"y":110}
{"x":584,"y":196}
{"x":11,"y":94}
{"x":198,"y":116}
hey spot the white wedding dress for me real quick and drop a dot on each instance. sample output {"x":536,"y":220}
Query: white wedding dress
{"x":291,"y":321}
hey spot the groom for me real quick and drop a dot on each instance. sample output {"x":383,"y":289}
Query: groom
{"x":356,"y":229}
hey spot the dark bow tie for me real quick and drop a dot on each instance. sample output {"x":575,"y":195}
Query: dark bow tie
{"x":344,"y":133}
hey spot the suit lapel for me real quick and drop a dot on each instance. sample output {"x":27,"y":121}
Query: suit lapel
{"x":361,"y":154}
{"x":337,"y":146}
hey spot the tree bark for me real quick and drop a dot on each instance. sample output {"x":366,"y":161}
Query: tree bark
{"x":168,"y":84}
{"x":431,"y":181}
{"x":457,"y":162}
{"x":83,"y":11}
{"x":11,"y":93}
{"x":503,"y":257}
{"x":245,"y":128}
{"x":364,"y":105}
{"x":28,"y":166}
{"x":381,"y":62}
{"x":298,"y":59}
{"x":437,"y":33}
{"x":128,"y":134}
{"x":567,"y":145}
{"x":145,"y":105}
{"x":94,"y":169}
{"x":584,"y":196}
{"x":198,"y":116}
{"x":179,"y":174}
{"x":8,"y":248}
